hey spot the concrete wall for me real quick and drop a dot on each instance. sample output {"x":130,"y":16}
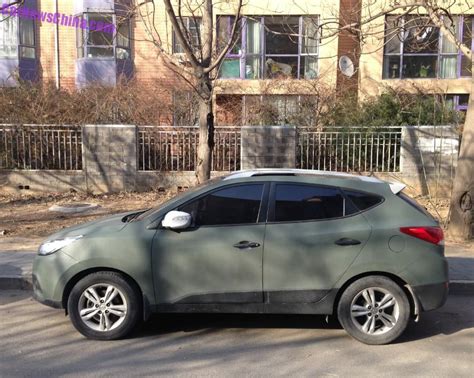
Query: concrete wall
{"x":428,"y":161}
{"x":429,"y":158}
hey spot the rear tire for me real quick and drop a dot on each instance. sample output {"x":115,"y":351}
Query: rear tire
{"x":374,"y":310}
{"x":104,"y":306}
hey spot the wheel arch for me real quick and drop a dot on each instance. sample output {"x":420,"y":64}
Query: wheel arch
{"x":79,"y":276}
{"x":414,"y":306}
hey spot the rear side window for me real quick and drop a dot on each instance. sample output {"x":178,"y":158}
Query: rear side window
{"x":363,"y":201}
{"x":307,"y":202}
{"x":234,"y":205}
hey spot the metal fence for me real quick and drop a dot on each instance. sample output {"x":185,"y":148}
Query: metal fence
{"x":350,"y":150}
{"x":40,"y":147}
{"x":172,"y":149}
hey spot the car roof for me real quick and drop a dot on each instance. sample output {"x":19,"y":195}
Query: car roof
{"x":395,"y":187}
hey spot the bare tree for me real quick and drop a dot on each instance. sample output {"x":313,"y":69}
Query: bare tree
{"x":202,"y":59}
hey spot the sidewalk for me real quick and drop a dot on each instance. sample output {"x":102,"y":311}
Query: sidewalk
{"x":16,"y":262}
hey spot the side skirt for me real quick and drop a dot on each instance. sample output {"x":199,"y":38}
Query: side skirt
{"x":325,"y":306}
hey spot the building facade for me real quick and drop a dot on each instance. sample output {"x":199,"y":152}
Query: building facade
{"x":408,"y":53}
{"x":278,"y":57}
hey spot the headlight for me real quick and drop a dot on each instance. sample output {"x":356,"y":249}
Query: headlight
{"x":51,"y":246}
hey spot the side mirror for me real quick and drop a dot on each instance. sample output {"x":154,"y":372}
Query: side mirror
{"x":177,"y":220}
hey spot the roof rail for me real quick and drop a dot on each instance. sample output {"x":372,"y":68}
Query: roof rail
{"x":294,"y":172}
{"x":395,"y":187}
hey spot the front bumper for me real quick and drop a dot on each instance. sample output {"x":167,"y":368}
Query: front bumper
{"x":39,"y":296}
{"x":50,"y":275}
{"x":432,"y":296}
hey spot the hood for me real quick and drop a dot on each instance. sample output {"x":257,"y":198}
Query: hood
{"x":112,"y":223}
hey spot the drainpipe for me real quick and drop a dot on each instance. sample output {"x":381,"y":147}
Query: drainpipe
{"x":56,"y":49}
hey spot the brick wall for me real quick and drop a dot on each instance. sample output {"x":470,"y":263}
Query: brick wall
{"x":348,"y":45}
{"x":67,"y":45}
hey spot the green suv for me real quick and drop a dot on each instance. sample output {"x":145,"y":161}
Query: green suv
{"x":263,"y":241}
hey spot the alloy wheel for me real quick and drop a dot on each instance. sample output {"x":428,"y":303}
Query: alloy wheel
{"x":102,"y":307}
{"x":375,"y":311}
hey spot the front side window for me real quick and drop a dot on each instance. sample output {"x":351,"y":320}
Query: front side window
{"x":307,"y":202}
{"x":192,"y":28}
{"x":415,"y":48}
{"x":271,"y":47}
{"x":234,"y":205}
{"x":102,"y":39}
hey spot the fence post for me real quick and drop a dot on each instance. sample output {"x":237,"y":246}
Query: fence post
{"x":110,"y":157}
{"x":268,"y":147}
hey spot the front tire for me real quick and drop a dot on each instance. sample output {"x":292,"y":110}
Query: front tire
{"x":104,"y":306}
{"x":374,"y":310}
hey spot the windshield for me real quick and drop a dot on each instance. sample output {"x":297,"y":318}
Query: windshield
{"x":176,"y":198}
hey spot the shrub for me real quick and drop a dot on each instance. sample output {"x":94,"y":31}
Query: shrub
{"x":128,"y":103}
{"x":391,"y":108}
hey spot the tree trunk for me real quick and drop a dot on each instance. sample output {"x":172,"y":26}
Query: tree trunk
{"x":461,"y":225}
{"x":206,"y":140}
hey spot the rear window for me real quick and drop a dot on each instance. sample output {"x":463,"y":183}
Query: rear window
{"x":363,"y":201}
{"x":414,"y":204}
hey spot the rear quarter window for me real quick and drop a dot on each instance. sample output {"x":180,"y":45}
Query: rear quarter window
{"x":362,"y":201}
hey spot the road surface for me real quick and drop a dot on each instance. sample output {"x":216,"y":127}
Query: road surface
{"x":39,"y":341}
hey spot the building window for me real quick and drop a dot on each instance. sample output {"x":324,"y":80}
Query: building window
{"x":27,"y":38}
{"x":457,"y":102}
{"x":270,"y":47}
{"x":17,"y":37}
{"x":414,"y":48}
{"x":262,"y":110}
{"x":8,"y":37}
{"x":103,"y":41}
{"x":192,"y":26}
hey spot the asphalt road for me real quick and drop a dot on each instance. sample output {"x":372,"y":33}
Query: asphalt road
{"x":38,"y":341}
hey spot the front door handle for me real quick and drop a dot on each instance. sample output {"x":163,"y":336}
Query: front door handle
{"x":246,"y":245}
{"x":347,"y":241}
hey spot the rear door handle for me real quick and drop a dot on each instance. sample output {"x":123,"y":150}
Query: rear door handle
{"x":246,"y":245}
{"x":347,"y":241}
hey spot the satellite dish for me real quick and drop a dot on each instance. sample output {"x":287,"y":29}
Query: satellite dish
{"x":346,"y":66}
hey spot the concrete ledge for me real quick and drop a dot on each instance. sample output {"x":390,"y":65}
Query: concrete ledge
{"x":16,"y":283}
{"x":461,"y":287}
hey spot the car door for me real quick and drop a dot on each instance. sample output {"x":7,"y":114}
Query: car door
{"x":219,"y":258}
{"x":310,"y":241}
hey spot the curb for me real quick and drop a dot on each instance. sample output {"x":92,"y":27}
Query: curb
{"x":458,"y":287}
{"x":15,"y":283}
{"x":461,"y":287}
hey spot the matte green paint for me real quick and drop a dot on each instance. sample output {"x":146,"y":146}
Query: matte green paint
{"x":169,"y":266}
{"x":204,"y":261}
{"x":303,"y":255}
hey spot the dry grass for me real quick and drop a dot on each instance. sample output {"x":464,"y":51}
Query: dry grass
{"x":28,"y":215}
